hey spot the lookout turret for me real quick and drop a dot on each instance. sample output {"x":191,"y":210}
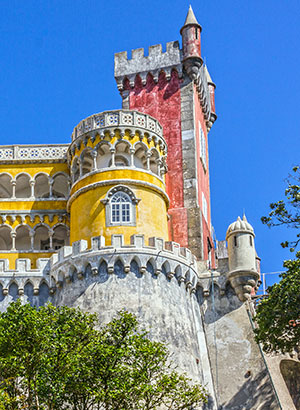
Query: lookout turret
{"x":241,"y":257}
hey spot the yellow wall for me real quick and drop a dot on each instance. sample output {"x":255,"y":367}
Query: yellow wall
{"x":33,"y":169}
{"x":88,"y":216}
{"x":26,"y":205}
{"x":88,"y":212}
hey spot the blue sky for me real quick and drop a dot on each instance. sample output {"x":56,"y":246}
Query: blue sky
{"x":57,"y":68}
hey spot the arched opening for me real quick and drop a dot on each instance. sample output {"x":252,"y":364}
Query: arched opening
{"x":41,"y":186}
{"x":5,"y":186}
{"x":86,"y":162}
{"x":23,"y":189}
{"x":60,"y":237}
{"x":154,"y":161}
{"x":28,"y":291}
{"x":41,"y":238}
{"x":43,"y":293}
{"x":103,"y":155}
{"x":60,"y":186}
{"x":23,"y":242}
{"x":5,"y":238}
{"x":75,"y":169}
{"x":13,"y":291}
{"x":122,"y":154}
{"x":140,"y":156}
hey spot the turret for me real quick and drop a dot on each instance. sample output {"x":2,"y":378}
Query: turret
{"x":117,"y":162}
{"x":242,"y":273}
{"x":191,"y":37}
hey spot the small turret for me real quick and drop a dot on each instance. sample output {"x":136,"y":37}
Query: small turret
{"x":242,"y":273}
{"x":191,"y":36}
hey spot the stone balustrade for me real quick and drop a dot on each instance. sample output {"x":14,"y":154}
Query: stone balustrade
{"x":120,"y":119}
{"x":32,"y":153}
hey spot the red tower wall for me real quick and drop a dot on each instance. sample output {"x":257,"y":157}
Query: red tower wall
{"x":162,"y":101}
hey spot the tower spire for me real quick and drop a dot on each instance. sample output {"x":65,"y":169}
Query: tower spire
{"x":190,"y":20}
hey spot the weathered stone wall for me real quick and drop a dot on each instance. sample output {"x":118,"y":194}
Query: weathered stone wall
{"x":241,"y":377}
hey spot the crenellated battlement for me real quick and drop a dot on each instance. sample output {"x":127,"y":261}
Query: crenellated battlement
{"x":158,"y":256}
{"x":23,"y":280}
{"x":154,"y":63}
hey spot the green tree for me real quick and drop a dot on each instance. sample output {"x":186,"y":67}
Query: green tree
{"x":278,"y":315}
{"x":55,"y":358}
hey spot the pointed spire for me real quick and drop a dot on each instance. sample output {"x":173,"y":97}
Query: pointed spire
{"x":190,"y":20}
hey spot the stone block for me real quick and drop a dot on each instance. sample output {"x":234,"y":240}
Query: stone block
{"x":98,"y":242}
{"x":79,"y":246}
{"x":117,"y":241}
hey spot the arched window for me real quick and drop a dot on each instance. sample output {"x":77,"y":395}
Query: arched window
{"x":120,"y":206}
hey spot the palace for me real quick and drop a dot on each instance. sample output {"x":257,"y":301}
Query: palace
{"x":121,"y":218}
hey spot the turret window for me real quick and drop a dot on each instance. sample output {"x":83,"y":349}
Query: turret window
{"x":120,"y":206}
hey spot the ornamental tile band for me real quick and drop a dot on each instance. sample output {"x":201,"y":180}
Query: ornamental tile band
{"x":53,"y":152}
{"x":116,"y":119}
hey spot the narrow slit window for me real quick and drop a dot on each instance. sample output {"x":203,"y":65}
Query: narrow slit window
{"x":235,"y":241}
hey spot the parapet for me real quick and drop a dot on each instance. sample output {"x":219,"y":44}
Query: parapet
{"x":23,"y":276}
{"x":166,"y":258}
{"x":155,"y":62}
{"x":33,"y":153}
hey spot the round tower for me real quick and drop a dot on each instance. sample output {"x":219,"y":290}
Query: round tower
{"x":242,"y":273}
{"x":117,"y":163}
{"x":191,"y":37}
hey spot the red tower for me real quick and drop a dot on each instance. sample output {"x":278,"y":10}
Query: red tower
{"x":175,"y":88}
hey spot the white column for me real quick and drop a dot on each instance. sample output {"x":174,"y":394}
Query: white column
{"x":50,"y":187}
{"x":148,"y":155}
{"x":13,"y":240}
{"x":32,"y":184}
{"x":51,"y":239}
{"x":94,"y":156}
{"x":31,"y":234}
{"x":13,"y":183}
{"x":132,"y":151}
{"x":113,"y":152}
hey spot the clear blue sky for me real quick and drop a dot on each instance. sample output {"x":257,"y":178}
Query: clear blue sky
{"x":57,"y":68}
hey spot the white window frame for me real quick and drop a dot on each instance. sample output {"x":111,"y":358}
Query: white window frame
{"x":123,"y":212}
{"x":202,"y":142}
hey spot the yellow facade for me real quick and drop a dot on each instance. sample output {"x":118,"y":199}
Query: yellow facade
{"x":119,"y":150}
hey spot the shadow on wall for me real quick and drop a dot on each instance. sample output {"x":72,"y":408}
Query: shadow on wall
{"x":255,"y":394}
{"x":219,"y":305}
{"x":290,"y":370}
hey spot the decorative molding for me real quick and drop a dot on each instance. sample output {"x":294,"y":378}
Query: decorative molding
{"x":34,"y":153}
{"x":111,"y":121}
{"x":167,"y":257}
{"x":33,"y":213}
{"x":133,"y":182}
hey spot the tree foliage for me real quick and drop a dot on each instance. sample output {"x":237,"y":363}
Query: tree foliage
{"x":287,"y":212}
{"x":54,"y":358}
{"x":278,"y":315}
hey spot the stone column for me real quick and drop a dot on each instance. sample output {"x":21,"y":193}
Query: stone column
{"x":94,"y":156}
{"x":50,"y":187}
{"x":13,"y":240}
{"x":132,"y":151}
{"x":113,"y":152}
{"x":31,"y":234}
{"x":32,"y":184}
{"x":51,"y":239}
{"x":13,"y":183}
{"x":148,"y":155}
